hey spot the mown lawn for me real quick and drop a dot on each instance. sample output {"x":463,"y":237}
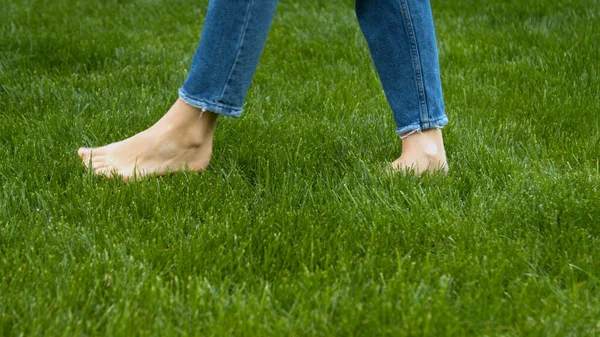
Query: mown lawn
{"x":293,"y":230}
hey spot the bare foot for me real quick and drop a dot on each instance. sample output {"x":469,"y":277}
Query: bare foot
{"x":422,"y":151}
{"x":181,"y":139}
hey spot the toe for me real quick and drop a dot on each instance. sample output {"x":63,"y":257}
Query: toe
{"x":84,"y":153}
{"x":95,"y":163}
{"x":101,"y":167}
{"x":93,"y":152}
{"x":107,"y":171}
{"x":98,"y":161}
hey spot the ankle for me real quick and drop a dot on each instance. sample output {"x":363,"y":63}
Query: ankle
{"x":188,"y":125}
{"x":197,"y":135}
{"x":428,"y":143}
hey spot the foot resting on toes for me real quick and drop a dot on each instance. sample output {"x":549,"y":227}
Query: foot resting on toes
{"x":181,"y":139}
{"x":422,"y":151}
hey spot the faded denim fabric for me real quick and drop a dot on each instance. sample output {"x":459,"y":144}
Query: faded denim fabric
{"x":400,"y":35}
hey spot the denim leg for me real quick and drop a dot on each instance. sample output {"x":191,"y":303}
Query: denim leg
{"x":401,"y":39}
{"x":232,"y":41}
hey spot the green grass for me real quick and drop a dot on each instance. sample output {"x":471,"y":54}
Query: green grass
{"x":293,"y":231}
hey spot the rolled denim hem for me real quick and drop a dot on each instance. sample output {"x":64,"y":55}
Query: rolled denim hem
{"x":218,"y":108}
{"x":422,"y":126}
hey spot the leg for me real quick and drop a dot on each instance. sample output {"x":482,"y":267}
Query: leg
{"x":232,"y":40}
{"x":401,"y":39}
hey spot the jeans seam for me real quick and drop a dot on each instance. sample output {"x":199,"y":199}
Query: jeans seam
{"x":217,"y":104}
{"x":432,"y":121}
{"x":238,"y":51}
{"x":428,"y":122}
{"x":420,"y":126}
{"x":416,"y":59}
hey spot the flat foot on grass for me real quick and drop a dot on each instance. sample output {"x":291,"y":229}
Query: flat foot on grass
{"x":180,"y":140}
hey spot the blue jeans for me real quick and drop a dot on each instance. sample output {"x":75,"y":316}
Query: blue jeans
{"x":401,"y":39}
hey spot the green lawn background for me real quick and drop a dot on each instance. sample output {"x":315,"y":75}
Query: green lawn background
{"x":293,"y":230}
